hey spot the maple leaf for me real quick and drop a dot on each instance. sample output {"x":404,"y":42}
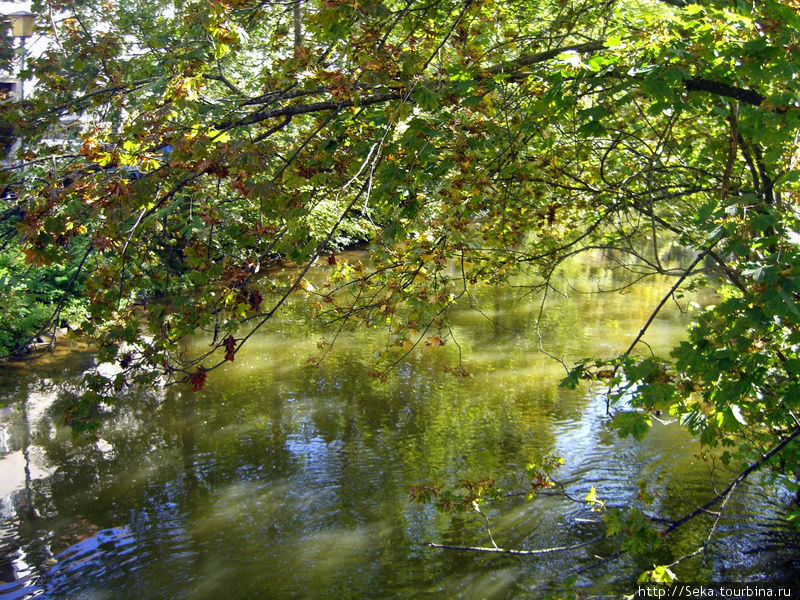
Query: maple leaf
{"x":230,"y":347}
{"x":198,"y":378}
{"x":126,"y":360}
{"x":255,"y":300}
{"x":434,"y":341}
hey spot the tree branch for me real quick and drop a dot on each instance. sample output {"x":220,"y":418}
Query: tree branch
{"x":720,"y":497}
{"x":750,"y":97}
{"x":736,"y":481}
{"x":516,"y":552}
{"x":527,"y":60}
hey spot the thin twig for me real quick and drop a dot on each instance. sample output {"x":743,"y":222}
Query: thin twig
{"x":516,"y":552}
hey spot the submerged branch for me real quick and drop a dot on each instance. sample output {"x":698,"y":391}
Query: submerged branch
{"x":516,"y":552}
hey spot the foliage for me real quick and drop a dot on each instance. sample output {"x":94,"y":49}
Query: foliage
{"x":465,"y":141}
{"x":30,"y":296}
{"x":658,"y":574}
{"x":635,"y":529}
{"x":467,"y":495}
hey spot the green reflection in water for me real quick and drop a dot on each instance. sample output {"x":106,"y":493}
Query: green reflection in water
{"x":281,"y":480}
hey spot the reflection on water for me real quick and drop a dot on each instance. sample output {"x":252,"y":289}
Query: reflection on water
{"x":283,"y":481}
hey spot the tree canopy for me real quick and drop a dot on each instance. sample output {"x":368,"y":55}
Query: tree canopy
{"x":199,"y":143}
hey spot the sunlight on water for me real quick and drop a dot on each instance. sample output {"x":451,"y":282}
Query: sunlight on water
{"x":244,"y":498}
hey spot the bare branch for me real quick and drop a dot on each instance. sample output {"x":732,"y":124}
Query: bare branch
{"x":516,"y":552}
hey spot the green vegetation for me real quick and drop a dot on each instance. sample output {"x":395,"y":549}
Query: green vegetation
{"x":465,"y":141}
{"x":35,"y":299}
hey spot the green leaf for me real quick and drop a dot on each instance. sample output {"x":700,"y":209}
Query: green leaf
{"x":592,"y":499}
{"x":762,"y":222}
{"x":790,"y":176}
{"x":573,"y":378}
{"x":730,"y":418}
{"x":736,"y":411}
{"x":632,"y":423}
{"x":658,"y":89}
{"x":794,"y":517}
{"x":426,"y":98}
{"x":660,"y":574}
{"x":756,"y":273}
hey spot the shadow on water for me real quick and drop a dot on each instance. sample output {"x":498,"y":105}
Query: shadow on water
{"x":283,"y":481}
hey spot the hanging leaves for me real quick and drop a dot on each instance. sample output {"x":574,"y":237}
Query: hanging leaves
{"x":230,"y":347}
{"x":198,"y":379}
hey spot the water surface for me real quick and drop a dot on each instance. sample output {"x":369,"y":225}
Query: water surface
{"x":280,"y":480}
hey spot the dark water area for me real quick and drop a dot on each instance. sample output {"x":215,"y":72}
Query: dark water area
{"x":280,"y":480}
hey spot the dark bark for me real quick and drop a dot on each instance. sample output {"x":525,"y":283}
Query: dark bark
{"x":723,"y":89}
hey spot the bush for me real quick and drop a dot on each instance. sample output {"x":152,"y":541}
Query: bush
{"x":29,"y":297}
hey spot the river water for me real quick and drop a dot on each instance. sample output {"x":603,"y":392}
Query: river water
{"x":280,"y":480}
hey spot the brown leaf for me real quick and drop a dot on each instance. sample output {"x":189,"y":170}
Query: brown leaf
{"x":198,"y":379}
{"x":255,"y":300}
{"x":230,"y":347}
